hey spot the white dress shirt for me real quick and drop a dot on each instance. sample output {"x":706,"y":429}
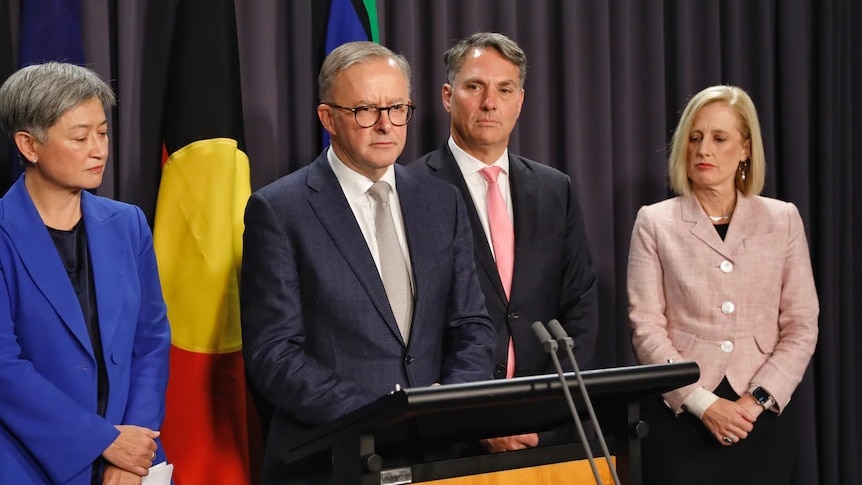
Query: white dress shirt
{"x":355,"y":187}
{"x":478,"y":186}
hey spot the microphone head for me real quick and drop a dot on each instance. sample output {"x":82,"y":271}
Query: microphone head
{"x":560,"y":333}
{"x":541,"y":332}
{"x":557,"y":330}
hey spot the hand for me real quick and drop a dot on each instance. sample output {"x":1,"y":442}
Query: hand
{"x":729,"y":419}
{"x":116,"y":476}
{"x":511,"y":443}
{"x":748,"y":402}
{"x":134,"y":450}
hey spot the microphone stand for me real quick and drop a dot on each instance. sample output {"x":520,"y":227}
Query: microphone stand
{"x":567,"y":342}
{"x":550,"y":345}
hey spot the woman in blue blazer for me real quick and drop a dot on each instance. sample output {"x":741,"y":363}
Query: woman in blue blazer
{"x":84,"y":337}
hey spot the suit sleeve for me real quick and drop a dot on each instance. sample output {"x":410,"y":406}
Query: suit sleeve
{"x":39,"y":415}
{"x":579,"y":286}
{"x":151,"y":347}
{"x":797,"y":317}
{"x":274,"y":329}
{"x":647,"y":304}
{"x":470,"y":336}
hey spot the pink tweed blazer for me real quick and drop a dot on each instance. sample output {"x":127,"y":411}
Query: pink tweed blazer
{"x":745,"y":307}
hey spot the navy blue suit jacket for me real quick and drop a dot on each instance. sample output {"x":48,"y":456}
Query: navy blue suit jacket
{"x":319,"y":337}
{"x":554,"y":277}
{"x":50,"y":431}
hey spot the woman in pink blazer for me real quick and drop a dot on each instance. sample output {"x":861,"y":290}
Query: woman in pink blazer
{"x":721,"y":276}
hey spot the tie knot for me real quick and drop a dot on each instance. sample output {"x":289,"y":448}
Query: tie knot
{"x":490,"y":174}
{"x":380,"y":191}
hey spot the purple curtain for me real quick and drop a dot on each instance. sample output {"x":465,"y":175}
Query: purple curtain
{"x":605,"y":84}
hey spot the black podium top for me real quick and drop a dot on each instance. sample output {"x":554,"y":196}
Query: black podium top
{"x":458,"y":412}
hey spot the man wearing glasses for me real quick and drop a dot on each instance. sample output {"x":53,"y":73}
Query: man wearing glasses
{"x":357,"y":273}
{"x":531,"y":255}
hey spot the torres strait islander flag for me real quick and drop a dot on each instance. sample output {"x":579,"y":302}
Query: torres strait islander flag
{"x":348,"y":21}
{"x":198,"y":241}
{"x":8,"y":155}
{"x":50,"y":30}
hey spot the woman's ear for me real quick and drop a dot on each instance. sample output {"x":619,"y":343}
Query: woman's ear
{"x":26,"y":144}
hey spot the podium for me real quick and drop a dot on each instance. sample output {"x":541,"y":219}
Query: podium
{"x":434,"y":417}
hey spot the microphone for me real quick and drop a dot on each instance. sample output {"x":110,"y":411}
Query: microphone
{"x":550,"y":345}
{"x":567,"y":342}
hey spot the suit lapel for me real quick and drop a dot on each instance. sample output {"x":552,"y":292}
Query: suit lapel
{"x":39,"y":256}
{"x":109,"y":271}
{"x":525,"y":207}
{"x":418,"y":231}
{"x":446,"y":168}
{"x":704,"y":230}
{"x":335,"y":215}
{"x":742,"y":224}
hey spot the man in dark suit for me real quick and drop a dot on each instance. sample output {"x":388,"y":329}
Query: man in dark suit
{"x":551,"y":275}
{"x":335,"y":313}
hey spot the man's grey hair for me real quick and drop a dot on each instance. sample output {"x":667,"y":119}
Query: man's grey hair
{"x":346,"y":55}
{"x":454,"y":58}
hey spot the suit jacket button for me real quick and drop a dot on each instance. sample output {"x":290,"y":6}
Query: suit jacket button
{"x":500,"y":369}
{"x":512,"y":317}
{"x":408,"y":360}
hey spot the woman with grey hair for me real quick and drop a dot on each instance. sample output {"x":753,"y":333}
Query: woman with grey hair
{"x":84,"y":336}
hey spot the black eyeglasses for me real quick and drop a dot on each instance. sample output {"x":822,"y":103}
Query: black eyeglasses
{"x":368,"y":116}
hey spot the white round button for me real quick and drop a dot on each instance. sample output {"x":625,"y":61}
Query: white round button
{"x":727,"y":346}
{"x":726,"y":266}
{"x":727,"y":307}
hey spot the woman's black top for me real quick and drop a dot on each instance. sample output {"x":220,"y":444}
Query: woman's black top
{"x":72,"y":246}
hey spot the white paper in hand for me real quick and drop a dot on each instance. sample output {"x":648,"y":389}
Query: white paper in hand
{"x":159,"y":474}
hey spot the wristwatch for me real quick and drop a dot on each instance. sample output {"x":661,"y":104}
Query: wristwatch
{"x":762,"y":397}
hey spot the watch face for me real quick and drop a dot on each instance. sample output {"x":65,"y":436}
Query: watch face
{"x":760,"y":395}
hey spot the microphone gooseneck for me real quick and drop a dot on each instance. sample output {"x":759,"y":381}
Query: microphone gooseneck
{"x":566,"y":341}
{"x":550,"y":345}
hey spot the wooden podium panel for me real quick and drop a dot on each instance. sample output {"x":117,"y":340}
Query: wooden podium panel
{"x":578,"y":471}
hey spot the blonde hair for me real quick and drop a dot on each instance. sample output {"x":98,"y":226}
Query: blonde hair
{"x":749,"y":126}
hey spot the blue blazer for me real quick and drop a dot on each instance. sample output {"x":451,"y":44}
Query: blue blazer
{"x":50,"y":431}
{"x":319,"y":337}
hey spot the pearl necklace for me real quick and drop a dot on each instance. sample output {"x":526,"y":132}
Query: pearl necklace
{"x":719,"y":218}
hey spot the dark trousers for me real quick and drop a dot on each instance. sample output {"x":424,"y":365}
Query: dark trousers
{"x":681,"y":450}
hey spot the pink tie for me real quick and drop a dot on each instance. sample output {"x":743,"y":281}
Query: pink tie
{"x":503,"y":240}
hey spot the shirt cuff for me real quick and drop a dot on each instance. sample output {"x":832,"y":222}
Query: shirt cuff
{"x":698,"y":401}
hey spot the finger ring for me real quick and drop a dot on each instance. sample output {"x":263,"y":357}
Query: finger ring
{"x":153,"y":457}
{"x":734,"y":438}
{"x":727,"y":439}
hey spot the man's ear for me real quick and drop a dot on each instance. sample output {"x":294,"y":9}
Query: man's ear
{"x":446,"y":96}
{"x":324,"y":113}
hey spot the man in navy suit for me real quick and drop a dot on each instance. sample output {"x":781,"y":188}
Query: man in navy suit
{"x":553,"y":276}
{"x":324,"y":330}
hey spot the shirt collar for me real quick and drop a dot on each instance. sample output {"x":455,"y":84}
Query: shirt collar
{"x":470,"y":165}
{"x":354,"y":184}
